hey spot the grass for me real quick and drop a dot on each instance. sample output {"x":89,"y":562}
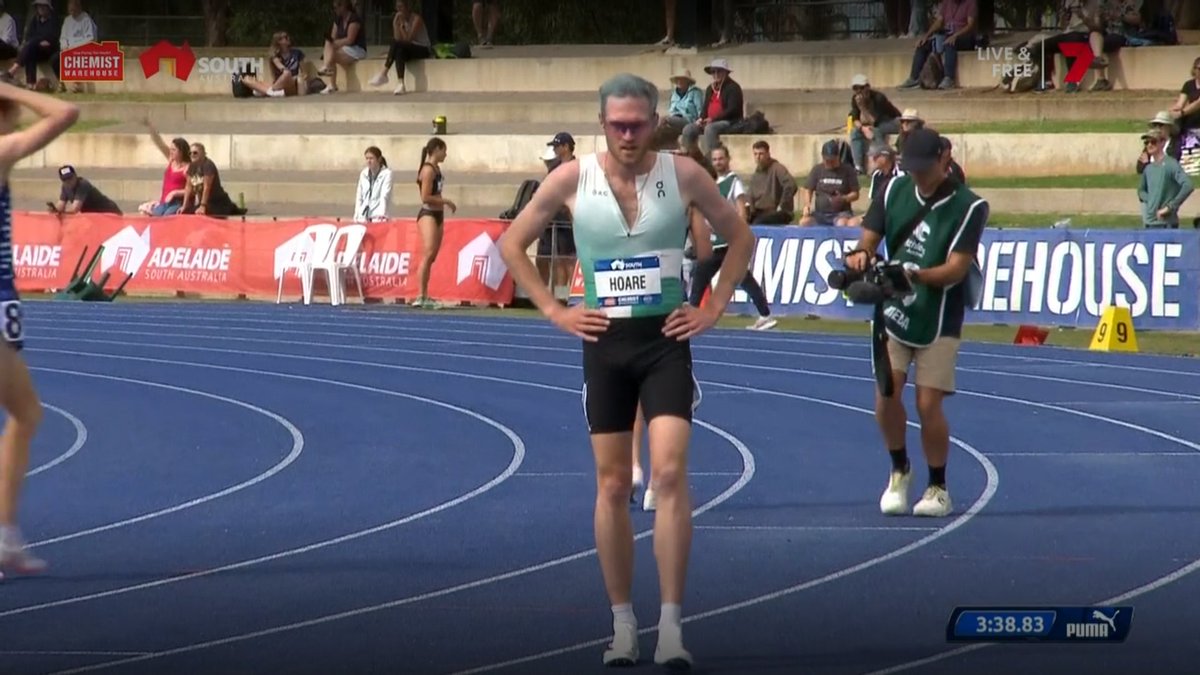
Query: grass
{"x":1099,"y":126}
{"x":83,"y":126}
{"x":1122,"y":181}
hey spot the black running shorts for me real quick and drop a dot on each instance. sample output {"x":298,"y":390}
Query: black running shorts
{"x":631,"y":362}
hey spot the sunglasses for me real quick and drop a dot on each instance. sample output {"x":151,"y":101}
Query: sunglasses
{"x":627,"y":128}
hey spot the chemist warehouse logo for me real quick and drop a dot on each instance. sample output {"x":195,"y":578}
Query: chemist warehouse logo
{"x":131,"y":253}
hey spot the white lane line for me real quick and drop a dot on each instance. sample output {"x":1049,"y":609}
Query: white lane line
{"x":81,"y":437}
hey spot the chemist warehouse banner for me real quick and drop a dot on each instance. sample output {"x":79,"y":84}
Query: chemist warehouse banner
{"x":1052,"y":277}
{"x":229,"y":258}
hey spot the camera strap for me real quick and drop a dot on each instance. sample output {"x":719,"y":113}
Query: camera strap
{"x":880,"y":362}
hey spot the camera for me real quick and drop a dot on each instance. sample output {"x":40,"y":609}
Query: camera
{"x":880,"y":281}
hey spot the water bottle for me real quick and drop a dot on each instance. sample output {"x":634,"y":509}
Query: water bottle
{"x":1063,"y":224}
{"x":439,"y":125}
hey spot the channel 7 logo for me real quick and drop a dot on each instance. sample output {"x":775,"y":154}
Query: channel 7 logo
{"x":1082,"y":53}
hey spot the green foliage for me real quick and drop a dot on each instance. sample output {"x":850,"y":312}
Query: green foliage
{"x":557,"y":22}
{"x":306,"y":21}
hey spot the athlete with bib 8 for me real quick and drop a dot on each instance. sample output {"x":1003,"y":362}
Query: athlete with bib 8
{"x":630,"y":213}
{"x":17,"y":394}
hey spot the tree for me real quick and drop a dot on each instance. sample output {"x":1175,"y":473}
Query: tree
{"x":216,"y":21}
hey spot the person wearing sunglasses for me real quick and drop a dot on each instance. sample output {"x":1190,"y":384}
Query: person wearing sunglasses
{"x":1164,"y":186}
{"x":204,"y":195}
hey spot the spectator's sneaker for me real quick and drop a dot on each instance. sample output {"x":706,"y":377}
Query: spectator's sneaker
{"x":649,"y":502}
{"x":329,"y":90}
{"x":946,"y":83}
{"x":1071,"y":88}
{"x":325,"y":71}
{"x":400,"y":90}
{"x":1102,"y":85}
{"x":276,"y":93}
{"x":1099,"y":62}
{"x":894,"y":501}
{"x":670,"y":653}
{"x":486,"y":44}
{"x":380,"y":79}
{"x":909,"y":84}
{"x":666,"y":42}
{"x":934,"y":504}
{"x":764,"y":323}
{"x":623,"y":651}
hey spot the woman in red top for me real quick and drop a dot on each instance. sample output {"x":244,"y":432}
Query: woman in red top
{"x":174,"y":177}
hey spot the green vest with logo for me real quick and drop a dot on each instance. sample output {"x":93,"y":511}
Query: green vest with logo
{"x":725,"y":187}
{"x":918,"y":319}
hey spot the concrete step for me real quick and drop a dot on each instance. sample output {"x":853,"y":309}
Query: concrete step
{"x":267,"y":147}
{"x":785,"y":108}
{"x":816,"y":65}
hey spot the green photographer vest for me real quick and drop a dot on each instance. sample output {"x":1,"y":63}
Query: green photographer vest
{"x":919,"y":319}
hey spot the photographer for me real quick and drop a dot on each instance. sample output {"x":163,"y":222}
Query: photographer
{"x":930,"y":224}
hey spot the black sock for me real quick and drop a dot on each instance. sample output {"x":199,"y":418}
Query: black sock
{"x":899,"y":459}
{"x":937,"y":476}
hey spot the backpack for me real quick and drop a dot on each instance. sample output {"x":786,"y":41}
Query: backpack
{"x":522,"y":198}
{"x":240,"y":90}
{"x":933,"y":72}
{"x":754,"y":123}
{"x":452,"y":50}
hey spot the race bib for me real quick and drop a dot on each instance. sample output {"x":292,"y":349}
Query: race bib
{"x":628,"y":281}
{"x":13,"y":317}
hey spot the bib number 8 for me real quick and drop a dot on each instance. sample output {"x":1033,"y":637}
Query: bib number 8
{"x":14,"y":329}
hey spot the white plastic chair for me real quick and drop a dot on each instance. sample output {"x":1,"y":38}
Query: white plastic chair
{"x":314,"y":245}
{"x":343,"y":256}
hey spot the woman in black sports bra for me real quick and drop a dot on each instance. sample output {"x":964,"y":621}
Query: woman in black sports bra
{"x":432,"y":215}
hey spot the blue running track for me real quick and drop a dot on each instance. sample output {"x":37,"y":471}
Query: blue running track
{"x":237,"y":488}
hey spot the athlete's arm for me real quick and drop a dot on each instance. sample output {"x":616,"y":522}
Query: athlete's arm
{"x":56,"y":117}
{"x":958,"y":263}
{"x":427,"y":197}
{"x":699,"y":189}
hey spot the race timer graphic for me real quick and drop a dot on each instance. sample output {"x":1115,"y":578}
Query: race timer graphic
{"x":1040,"y":624}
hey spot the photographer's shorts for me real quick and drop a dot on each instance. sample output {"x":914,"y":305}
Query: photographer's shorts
{"x":935,"y":363}
{"x":631,"y":362}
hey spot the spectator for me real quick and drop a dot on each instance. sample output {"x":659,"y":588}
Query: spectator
{"x":686,"y":102}
{"x":1187,"y":107}
{"x":77,"y":28}
{"x":42,"y":34}
{"x":669,"y":10}
{"x":723,"y":20}
{"x":1164,"y":186}
{"x":78,"y":195}
{"x":493,"y":20}
{"x":174,"y":185}
{"x":410,"y":42}
{"x":1117,"y":20}
{"x":830,"y":190}
{"x":204,"y":195}
{"x":374,"y":191}
{"x":952,"y":167}
{"x":910,"y":121}
{"x":558,"y":240}
{"x":345,"y":45}
{"x":772,"y":189}
{"x":873,"y":118}
{"x":1163,"y":122}
{"x":284,"y":63}
{"x":884,"y":168}
{"x":723,"y":106}
{"x":8,"y":28}
{"x":954,"y":30}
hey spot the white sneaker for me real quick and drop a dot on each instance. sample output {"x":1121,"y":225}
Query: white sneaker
{"x":400,"y":90}
{"x":639,"y":481}
{"x":16,"y":559}
{"x":649,"y":503}
{"x":379,"y":80}
{"x":894,"y":501}
{"x":934,"y":504}
{"x":764,"y":323}
{"x":622,"y":652}
{"x":275,"y":93}
{"x":670,"y":653}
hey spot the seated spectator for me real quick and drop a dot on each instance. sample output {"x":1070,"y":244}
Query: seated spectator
{"x":1118,"y":20}
{"x":954,"y":30}
{"x":686,"y":102}
{"x":78,"y":195}
{"x":830,"y":190}
{"x":174,"y":185}
{"x":8,"y":28}
{"x":909,"y":122}
{"x":1187,"y":107}
{"x":1163,"y":122}
{"x":345,"y":45}
{"x":772,"y":189}
{"x":283,"y":65}
{"x":873,"y":118}
{"x":204,"y":195}
{"x":1164,"y":186}
{"x":42,"y":34}
{"x":410,"y":42}
{"x":723,"y":106}
{"x":374,"y":191}
{"x":77,"y":29}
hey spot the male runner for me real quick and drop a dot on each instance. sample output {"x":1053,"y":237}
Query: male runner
{"x":630,"y":213}
{"x":17,"y":394}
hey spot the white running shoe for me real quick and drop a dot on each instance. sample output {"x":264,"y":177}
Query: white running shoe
{"x":15,"y":558}
{"x":380,"y":79}
{"x":276,"y":93}
{"x":934,"y":504}
{"x":622,"y":652}
{"x":649,"y":502}
{"x":764,"y":323}
{"x":894,"y":501}
{"x":670,"y":653}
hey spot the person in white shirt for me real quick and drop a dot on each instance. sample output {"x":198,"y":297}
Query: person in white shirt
{"x":8,"y":28}
{"x":374,"y":188}
{"x":77,"y":28}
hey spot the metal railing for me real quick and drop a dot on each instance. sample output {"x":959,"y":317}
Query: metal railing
{"x":784,"y":20}
{"x":144,"y":30}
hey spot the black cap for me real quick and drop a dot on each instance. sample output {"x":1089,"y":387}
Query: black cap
{"x":562,"y":138}
{"x":65,"y":172}
{"x":832,"y":148}
{"x":921,"y":151}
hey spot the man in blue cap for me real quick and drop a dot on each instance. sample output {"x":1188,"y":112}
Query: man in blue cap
{"x":557,"y":242}
{"x":932,"y":224}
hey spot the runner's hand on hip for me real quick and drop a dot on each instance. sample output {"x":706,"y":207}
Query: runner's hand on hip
{"x":688,"y":321}
{"x":580,"y":321}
